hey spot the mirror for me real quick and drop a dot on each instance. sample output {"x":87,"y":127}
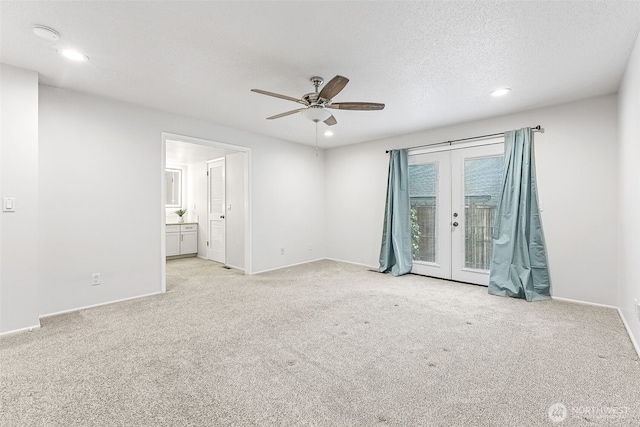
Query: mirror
{"x":173,"y":179}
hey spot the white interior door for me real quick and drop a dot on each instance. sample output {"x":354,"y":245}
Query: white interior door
{"x":216,"y":211}
{"x":454,"y":196}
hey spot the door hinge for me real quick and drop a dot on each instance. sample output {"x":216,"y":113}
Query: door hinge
{"x":207,"y":243}
{"x":207,"y":173}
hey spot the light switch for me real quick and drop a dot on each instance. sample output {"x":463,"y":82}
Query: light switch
{"x":9,"y":204}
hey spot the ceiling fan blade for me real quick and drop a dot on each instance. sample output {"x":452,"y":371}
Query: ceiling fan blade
{"x":333,"y":87}
{"x":288,"y":113}
{"x":330,"y":121}
{"x":362,"y":106}
{"x":277,"y":95}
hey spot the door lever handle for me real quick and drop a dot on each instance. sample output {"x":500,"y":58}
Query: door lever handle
{"x":455,"y":224}
{"x":221,"y":216}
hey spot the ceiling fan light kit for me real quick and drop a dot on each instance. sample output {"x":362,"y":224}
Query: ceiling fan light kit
{"x":316,"y":114}
{"x":316,"y":104}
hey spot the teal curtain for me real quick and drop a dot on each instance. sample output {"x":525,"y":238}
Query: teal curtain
{"x":519,"y":265}
{"x":395,"y":253}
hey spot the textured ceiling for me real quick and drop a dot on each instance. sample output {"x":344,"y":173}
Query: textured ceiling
{"x":432,"y":63}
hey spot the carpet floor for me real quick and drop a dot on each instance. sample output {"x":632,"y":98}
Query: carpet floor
{"x":321,"y":344}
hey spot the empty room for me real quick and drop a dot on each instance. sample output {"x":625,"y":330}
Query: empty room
{"x":322,"y":213}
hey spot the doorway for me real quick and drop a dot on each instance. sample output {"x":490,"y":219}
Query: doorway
{"x":454,"y":194}
{"x":194,"y":156}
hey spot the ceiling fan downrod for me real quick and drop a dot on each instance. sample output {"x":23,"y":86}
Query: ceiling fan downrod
{"x":316,"y":82}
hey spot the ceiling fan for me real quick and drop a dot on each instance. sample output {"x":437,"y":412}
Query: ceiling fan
{"x":316,"y":104}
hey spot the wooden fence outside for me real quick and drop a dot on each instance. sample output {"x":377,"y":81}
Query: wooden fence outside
{"x":478,"y":235}
{"x":427,"y":239}
{"x":478,"y":242}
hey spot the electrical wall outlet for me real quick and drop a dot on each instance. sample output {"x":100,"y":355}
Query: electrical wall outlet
{"x":637,"y":307}
{"x":281,"y":251}
{"x":310,"y":246}
{"x":95,"y":279}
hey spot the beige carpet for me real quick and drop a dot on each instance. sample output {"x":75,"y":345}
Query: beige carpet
{"x":323,"y":344}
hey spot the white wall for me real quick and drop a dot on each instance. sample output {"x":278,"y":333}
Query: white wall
{"x":235,"y":215}
{"x":100,"y":194}
{"x":287,"y":182}
{"x":629,"y":184}
{"x":19,"y":179}
{"x":577,"y":174}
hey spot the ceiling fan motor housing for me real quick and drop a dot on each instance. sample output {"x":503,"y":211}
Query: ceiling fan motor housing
{"x":311,"y":98}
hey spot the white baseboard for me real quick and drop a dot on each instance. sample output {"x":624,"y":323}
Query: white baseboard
{"x":626,"y":326}
{"x":375,"y":267}
{"x":287,"y":266}
{"x":234,"y":267}
{"x":17,"y":331}
{"x":584,"y":302}
{"x":97,"y":305}
{"x":624,"y":321}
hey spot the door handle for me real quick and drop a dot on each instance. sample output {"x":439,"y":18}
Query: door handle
{"x":455,"y":224}
{"x":221,"y":216}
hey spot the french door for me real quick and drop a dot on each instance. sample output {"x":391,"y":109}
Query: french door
{"x":454,"y":197}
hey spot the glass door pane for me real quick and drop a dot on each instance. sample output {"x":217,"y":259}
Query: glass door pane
{"x":430,"y":197}
{"x":482,"y":183}
{"x":475,"y":187}
{"x":423,"y":180}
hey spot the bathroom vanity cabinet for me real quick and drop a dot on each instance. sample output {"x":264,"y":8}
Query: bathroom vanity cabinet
{"x":182,"y":239}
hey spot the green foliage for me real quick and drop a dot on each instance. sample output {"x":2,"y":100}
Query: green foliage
{"x":415,"y":233}
{"x":181,"y":212}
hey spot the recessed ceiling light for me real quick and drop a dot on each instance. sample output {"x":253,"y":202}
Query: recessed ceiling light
{"x":73,"y":54}
{"x":501,"y":92}
{"x":45,"y":32}
{"x":328,"y":133}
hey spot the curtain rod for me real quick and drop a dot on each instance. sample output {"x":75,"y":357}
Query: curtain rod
{"x":533,"y":128}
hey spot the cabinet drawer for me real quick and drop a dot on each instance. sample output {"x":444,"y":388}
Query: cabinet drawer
{"x":190,"y":227}
{"x":172,"y":228}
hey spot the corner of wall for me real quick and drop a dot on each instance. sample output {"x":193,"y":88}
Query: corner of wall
{"x":629,"y":200}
